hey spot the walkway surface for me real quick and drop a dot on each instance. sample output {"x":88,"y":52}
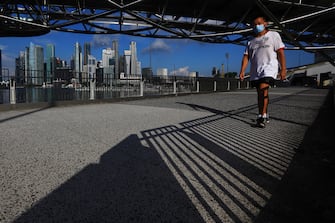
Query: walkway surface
{"x":194,"y":158}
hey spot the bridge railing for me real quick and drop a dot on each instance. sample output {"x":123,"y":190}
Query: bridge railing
{"x":87,"y":88}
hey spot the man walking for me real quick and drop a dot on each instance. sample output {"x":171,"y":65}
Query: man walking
{"x":265,"y":52}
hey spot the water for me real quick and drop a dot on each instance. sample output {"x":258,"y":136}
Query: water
{"x":35,"y":95}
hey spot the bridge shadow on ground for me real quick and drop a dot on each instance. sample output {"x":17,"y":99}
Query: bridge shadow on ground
{"x":203,"y":170}
{"x":190,"y":173}
{"x":306,"y":192}
{"x":130,"y":184}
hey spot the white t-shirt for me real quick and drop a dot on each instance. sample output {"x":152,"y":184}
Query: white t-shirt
{"x":262,"y":52}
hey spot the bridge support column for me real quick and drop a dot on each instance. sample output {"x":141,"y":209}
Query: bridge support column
{"x":228,"y":86}
{"x":214,"y":86}
{"x":92,"y":89}
{"x":12,"y":92}
{"x":141,"y":88}
{"x":198,"y":87}
{"x":174,"y":87}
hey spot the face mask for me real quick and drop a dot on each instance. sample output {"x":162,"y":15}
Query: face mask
{"x":259,"y":28}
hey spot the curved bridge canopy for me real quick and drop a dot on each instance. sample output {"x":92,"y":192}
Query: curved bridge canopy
{"x":305,"y":24}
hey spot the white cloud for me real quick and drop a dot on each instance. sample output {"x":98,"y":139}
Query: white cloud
{"x":101,"y":41}
{"x":182,"y":71}
{"x":3,"y":47}
{"x":157,"y":46}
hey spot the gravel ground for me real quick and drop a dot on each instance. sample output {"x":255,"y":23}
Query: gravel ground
{"x":194,"y":158}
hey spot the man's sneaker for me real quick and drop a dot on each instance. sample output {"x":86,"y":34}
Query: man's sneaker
{"x":260,"y":122}
{"x":267,"y":120}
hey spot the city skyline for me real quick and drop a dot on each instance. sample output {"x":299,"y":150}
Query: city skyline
{"x":180,"y":56}
{"x":36,"y":67}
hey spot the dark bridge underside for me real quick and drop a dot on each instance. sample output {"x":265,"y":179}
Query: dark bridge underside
{"x":307,"y":24}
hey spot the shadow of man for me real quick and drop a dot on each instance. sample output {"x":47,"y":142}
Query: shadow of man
{"x":130,"y":184}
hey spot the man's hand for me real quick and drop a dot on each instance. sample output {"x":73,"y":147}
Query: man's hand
{"x":242,"y":76}
{"x":282,"y":74}
{"x":244,"y":65}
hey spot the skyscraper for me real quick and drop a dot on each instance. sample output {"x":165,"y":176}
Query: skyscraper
{"x":92,"y":66}
{"x":0,"y":66}
{"x":127,"y":63}
{"x":89,"y":69}
{"x":139,"y":69}
{"x":20,"y":68}
{"x":133,"y":60}
{"x":116,"y":57}
{"x":78,"y":62}
{"x":27,"y":75}
{"x":108,"y":64}
{"x":87,"y":52}
{"x":50,"y":62}
{"x":36,"y":64}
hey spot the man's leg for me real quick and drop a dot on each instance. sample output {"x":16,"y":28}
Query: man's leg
{"x":264,"y":96}
{"x":260,"y":100}
{"x":263,"y":102}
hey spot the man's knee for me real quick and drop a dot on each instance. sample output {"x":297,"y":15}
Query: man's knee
{"x":263,"y":91}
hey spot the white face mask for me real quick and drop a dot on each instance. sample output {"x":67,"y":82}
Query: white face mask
{"x":259,"y":28}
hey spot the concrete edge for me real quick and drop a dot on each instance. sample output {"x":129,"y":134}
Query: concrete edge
{"x":23,"y":106}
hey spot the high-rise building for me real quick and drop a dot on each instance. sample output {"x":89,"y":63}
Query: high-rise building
{"x":36,"y":64}
{"x":131,"y":66}
{"x":147,"y":73}
{"x":0,"y":66}
{"x":139,"y":69}
{"x":92,"y":66}
{"x":116,"y":57}
{"x":26,"y":67}
{"x":78,"y":62}
{"x":20,"y":68}
{"x":127,"y":64}
{"x":87,"y":52}
{"x":63,"y":73}
{"x":50,"y":62}
{"x":162,"y":72}
{"x":108,"y":64}
{"x":133,"y":60}
{"x":89,"y":69}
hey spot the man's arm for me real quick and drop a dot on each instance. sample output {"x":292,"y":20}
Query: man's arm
{"x":244,"y":65}
{"x":282,"y":62}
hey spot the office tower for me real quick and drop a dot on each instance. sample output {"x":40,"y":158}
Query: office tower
{"x":107,"y":57}
{"x":50,"y":62}
{"x":0,"y":66}
{"x":27,"y":78}
{"x":162,"y":72}
{"x":108,"y":64}
{"x":92,"y":66}
{"x":138,"y":69}
{"x":115,"y":47}
{"x":127,"y":64}
{"x":121,"y":65}
{"x":39,"y":53}
{"x":133,"y":60}
{"x":147,"y":73}
{"x":36,"y":64}
{"x":87,"y":52}
{"x":20,"y":68}
{"x":78,"y":61}
{"x":90,"y":69}
{"x":99,"y":73}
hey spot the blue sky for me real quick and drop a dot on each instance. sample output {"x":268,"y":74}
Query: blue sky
{"x":182,"y":55}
